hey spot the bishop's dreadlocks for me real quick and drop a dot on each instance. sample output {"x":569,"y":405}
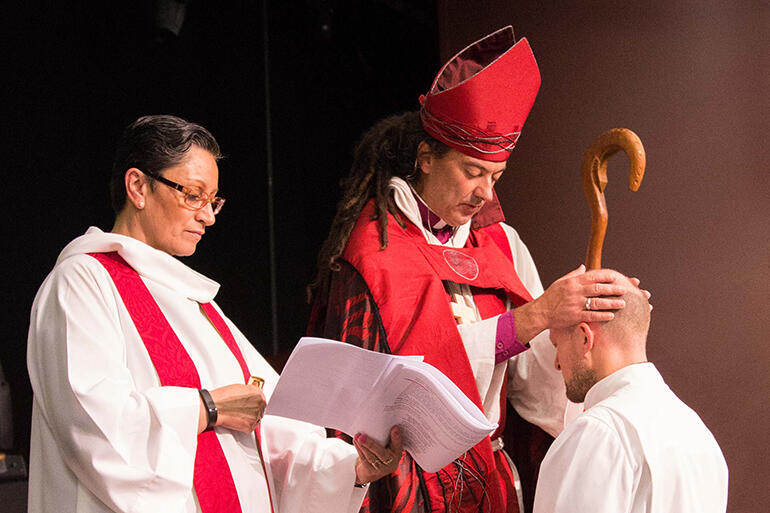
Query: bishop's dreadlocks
{"x":386,"y":150}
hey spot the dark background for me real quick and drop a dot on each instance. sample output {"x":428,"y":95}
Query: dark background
{"x":690,"y":78}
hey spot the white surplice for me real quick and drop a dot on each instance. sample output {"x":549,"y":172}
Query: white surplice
{"x":637,"y":448}
{"x":107,"y":437}
{"x":535,"y":387}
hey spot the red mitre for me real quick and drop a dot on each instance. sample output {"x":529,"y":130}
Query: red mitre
{"x":482,"y":96}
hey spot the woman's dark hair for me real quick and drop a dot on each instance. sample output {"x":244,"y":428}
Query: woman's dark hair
{"x":152,"y":144}
{"x":387,"y":149}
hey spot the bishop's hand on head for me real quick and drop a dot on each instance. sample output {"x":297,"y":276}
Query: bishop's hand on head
{"x":575,"y":297}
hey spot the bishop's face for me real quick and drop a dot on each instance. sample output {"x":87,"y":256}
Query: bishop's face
{"x":456,"y":185}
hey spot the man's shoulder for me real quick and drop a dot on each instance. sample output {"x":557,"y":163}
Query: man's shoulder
{"x":654,"y":417}
{"x":597,"y":433}
{"x":365,"y":241}
{"x":597,"y":418}
{"x":646,"y":397}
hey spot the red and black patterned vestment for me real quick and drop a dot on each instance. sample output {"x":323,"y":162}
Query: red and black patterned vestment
{"x":394,"y":301}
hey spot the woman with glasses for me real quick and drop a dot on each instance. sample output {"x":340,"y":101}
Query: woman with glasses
{"x":146,"y":396}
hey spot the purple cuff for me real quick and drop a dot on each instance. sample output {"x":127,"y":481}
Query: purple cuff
{"x":506,"y":343}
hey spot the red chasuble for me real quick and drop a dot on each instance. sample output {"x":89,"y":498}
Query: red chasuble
{"x":406,"y":282}
{"x":212,"y":479}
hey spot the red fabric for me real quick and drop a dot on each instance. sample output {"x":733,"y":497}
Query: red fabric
{"x":347,"y":312}
{"x":490,"y":301}
{"x":221,"y":326}
{"x":506,"y":482}
{"x":406,"y":282}
{"x":212,"y":480}
{"x":480,"y":99}
{"x":226,"y":334}
{"x":491,"y":213}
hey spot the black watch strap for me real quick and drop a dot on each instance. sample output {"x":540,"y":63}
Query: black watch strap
{"x":211,"y":409}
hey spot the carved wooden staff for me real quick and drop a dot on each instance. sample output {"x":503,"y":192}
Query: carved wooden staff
{"x":595,"y":180}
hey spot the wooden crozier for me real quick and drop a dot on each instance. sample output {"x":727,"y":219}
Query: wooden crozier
{"x":594,"y":171}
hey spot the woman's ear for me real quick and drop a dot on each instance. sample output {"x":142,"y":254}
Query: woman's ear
{"x":136,"y":187}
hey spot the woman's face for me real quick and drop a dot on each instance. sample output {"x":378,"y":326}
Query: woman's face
{"x":456,"y":185}
{"x":169,"y":224}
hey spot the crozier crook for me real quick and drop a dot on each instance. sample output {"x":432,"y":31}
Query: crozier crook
{"x":595,"y":180}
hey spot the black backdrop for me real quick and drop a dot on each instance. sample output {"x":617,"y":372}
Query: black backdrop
{"x":77,"y":73}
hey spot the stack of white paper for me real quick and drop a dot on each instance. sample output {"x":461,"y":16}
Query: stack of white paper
{"x":344,"y":387}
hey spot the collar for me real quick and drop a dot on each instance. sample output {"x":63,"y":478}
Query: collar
{"x":636,"y":373}
{"x":409,"y":203}
{"x":151,"y":264}
{"x":431,"y":220}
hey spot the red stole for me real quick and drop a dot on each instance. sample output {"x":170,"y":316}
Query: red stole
{"x":212,"y":479}
{"x":405,"y":281}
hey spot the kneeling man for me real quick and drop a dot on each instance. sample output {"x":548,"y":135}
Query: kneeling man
{"x":637,"y":447}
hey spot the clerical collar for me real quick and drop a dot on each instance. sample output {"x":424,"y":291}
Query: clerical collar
{"x":431,"y":221}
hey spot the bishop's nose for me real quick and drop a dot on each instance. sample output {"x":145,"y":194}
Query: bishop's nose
{"x":485,"y":191}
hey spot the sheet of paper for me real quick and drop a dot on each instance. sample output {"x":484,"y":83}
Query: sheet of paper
{"x":326,"y":384}
{"x":343,"y":387}
{"x":436,"y":428}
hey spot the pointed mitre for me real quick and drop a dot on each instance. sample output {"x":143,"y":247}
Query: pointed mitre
{"x":480,"y":99}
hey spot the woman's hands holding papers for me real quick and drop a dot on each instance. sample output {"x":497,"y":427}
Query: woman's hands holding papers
{"x":375,"y":461}
{"x":239,"y":407}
